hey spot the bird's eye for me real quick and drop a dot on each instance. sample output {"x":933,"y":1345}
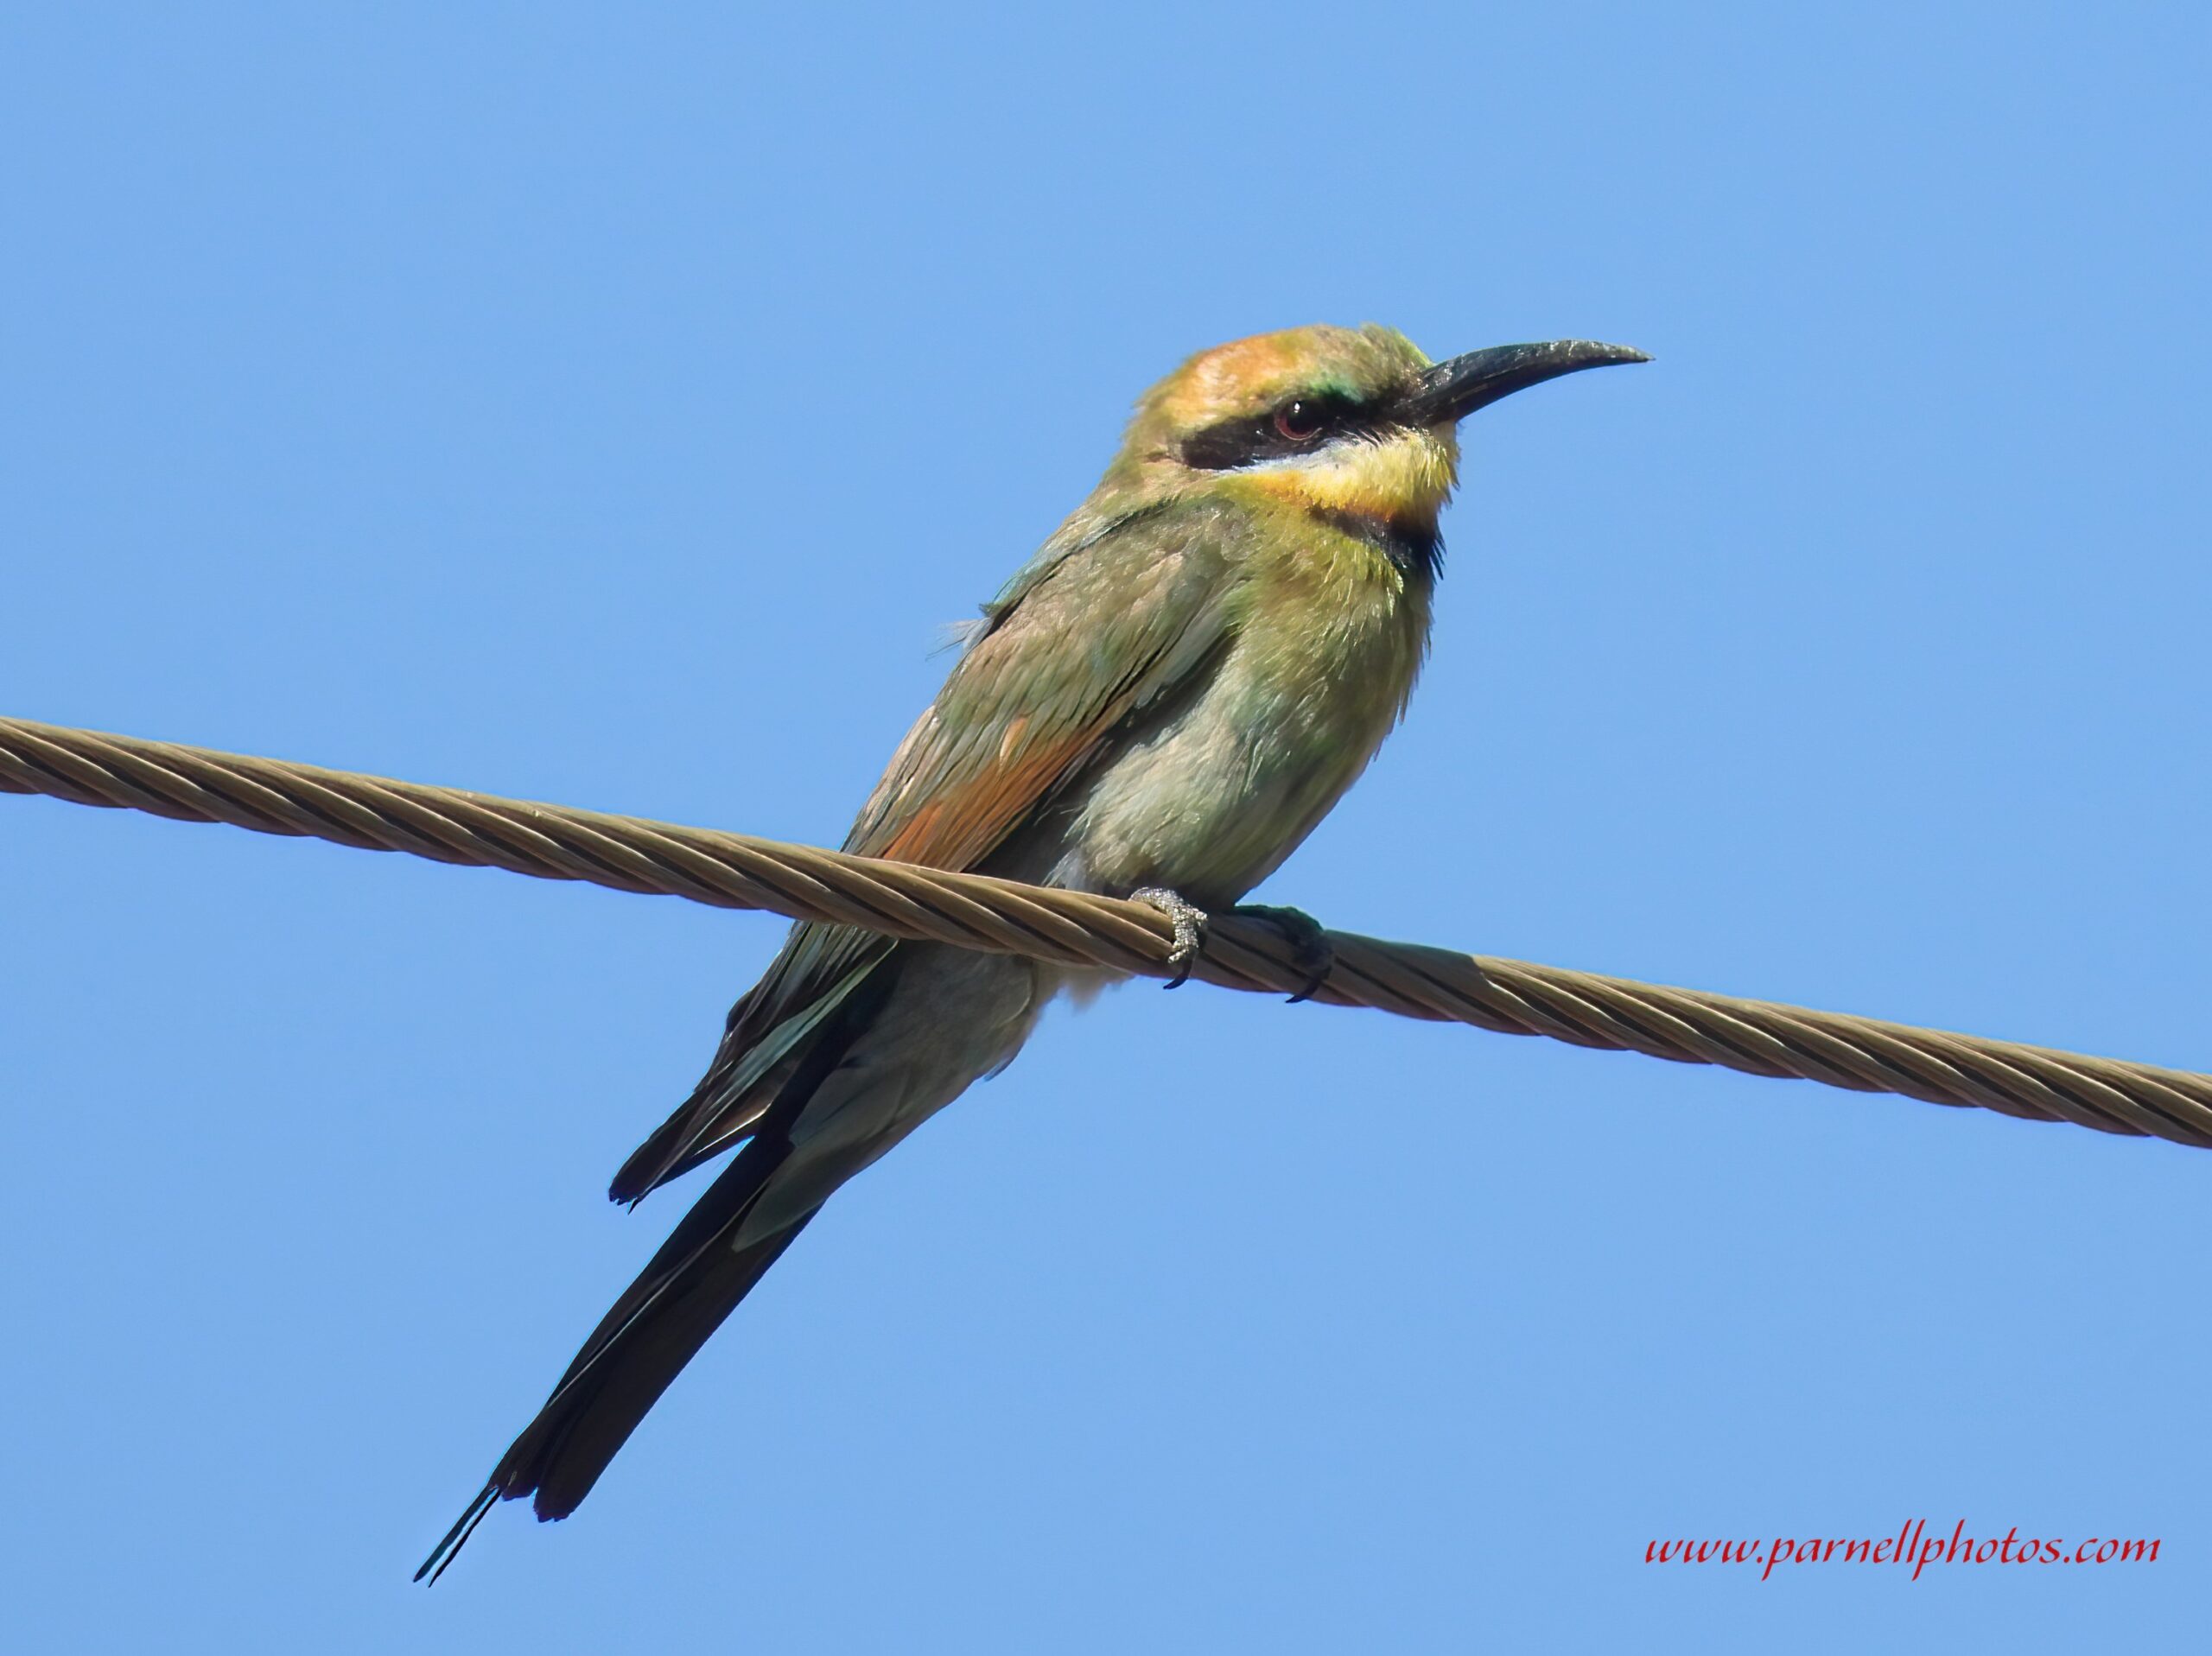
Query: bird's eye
{"x":1301,"y":421}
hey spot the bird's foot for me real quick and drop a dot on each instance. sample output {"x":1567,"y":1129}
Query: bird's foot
{"x":1190,"y":923}
{"x":1310,"y":950}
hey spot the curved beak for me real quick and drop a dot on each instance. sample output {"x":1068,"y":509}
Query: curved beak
{"x":1455,"y":388}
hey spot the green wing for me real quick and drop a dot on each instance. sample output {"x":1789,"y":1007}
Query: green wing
{"x":1113,"y":613}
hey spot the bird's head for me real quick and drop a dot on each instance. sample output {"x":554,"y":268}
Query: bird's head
{"x":1351,"y":421}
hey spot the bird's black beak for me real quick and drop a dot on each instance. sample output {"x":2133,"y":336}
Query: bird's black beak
{"x":1453,"y":389}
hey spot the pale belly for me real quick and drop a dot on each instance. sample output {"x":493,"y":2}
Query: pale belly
{"x":1212,"y":799}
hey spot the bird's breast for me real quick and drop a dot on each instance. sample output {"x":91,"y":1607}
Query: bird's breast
{"x":1228,"y":777}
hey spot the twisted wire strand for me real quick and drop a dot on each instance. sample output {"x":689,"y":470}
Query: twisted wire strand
{"x":975,"y":911}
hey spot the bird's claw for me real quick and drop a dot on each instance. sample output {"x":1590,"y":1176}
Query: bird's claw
{"x":1310,"y":948}
{"x":1190,"y":923}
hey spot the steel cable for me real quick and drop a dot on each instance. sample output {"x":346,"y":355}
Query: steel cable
{"x":975,"y":911}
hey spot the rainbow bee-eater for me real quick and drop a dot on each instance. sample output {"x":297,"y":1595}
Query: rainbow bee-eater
{"x":1161,"y":703}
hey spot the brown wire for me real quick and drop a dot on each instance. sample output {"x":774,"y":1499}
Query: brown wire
{"x":736,"y":871}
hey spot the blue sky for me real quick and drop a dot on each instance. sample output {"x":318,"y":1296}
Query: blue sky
{"x":612,"y":408}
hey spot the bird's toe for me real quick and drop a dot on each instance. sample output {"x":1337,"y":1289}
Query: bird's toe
{"x":1310,"y":948}
{"x":1189,"y":921}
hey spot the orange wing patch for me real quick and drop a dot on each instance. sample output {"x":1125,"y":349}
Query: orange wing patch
{"x":962,"y":823}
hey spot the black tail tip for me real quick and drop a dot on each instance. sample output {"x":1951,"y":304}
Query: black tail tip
{"x":633,"y":1183}
{"x":457,"y":1538}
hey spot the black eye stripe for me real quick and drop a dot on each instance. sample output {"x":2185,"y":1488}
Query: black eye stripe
{"x":1251,"y":438}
